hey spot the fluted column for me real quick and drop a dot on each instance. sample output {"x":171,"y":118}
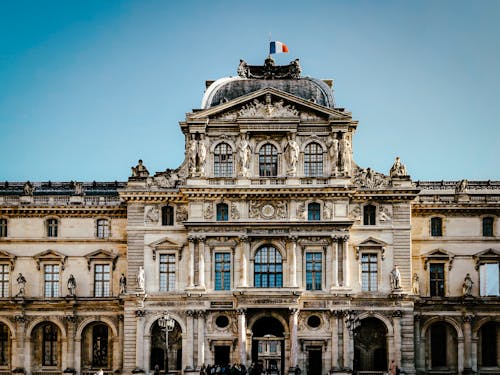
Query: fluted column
{"x":334,"y":249}
{"x":192,"y":242}
{"x":293,"y":261}
{"x":345,"y":251}
{"x":467,"y":320}
{"x":190,"y":340}
{"x":200,"y":314}
{"x":245,"y":255}
{"x":201,"y":263}
{"x":294,"y":344}
{"x":242,"y":335}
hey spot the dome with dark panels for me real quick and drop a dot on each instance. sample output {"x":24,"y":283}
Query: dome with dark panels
{"x":252,"y":78}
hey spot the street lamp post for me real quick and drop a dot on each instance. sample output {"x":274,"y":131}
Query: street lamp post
{"x":167,"y":323}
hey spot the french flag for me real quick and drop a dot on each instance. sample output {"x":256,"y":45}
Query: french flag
{"x":277,"y":47}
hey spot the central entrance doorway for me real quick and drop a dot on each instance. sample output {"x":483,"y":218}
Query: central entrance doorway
{"x":370,"y":346}
{"x":268,"y":346}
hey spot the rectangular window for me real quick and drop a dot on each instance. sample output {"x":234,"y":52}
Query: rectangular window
{"x":222,"y":271}
{"x":102,"y":228}
{"x":436,"y":227}
{"x":436,"y":271}
{"x":102,"y":278}
{"x":3,"y":227}
{"x":314,"y":268}
{"x":488,"y":227}
{"x":4,"y":280}
{"x":489,"y":279}
{"x":51,"y":280}
{"x":52,"y":228}
{"x":167,"y":272}
{"x":369,"y":272}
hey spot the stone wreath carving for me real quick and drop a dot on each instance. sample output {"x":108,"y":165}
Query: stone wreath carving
{"x":267,"y":210}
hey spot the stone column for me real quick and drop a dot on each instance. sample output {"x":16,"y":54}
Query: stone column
{"x":190,"y":340}
{"x":294,"y":344}
{"x":200,"y":314}
{"x":340,"y":262}
{"x":201,"y":263}
{"x":293,"y":261}
{"x":119,"y":363}
{"x":245,"y":255}
{"x":467,"y":320}
{"x":71,"y":358}
{"x":192,"y":241}
{"x":335,"y":339}
{"x":419,"y":360}
{"x":242,"y":335}
{"x":345,"y":266}
{"x":334,"y":250}
{"x":139,"y":339}
{"x":348,"y":344}
{"x":396,"y":322}
{"x":18,"y":346}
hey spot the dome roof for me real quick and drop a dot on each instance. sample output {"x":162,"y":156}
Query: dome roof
{"x":252,"y":78}
{"x":226,"y":89}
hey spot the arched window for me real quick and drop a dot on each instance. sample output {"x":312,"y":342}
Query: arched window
{"x":223,"y":160}
{"x":50,"y":346}
{"x":222,"y":212}
{"x":167,"y":215}
{"x":487,"y":226}
{"x":4,"y":345}
{"x":369,"y":214}
{"x":268,"y":270}
{"x":313,"y":211}
{"x":313,"y":160}
{"x":268,"y":161}
{"x":436,"y":227}
{"x":100,"y":345}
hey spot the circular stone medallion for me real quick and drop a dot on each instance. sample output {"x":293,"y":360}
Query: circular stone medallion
{"x":267,"y":211}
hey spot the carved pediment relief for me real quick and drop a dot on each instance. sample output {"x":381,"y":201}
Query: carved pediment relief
{"x":50,"y":256}
{"x":486,"y":256}
{"x":439,"y":255}
{"x":165,"y":244}
{"x":101,"y":255}
{"x":368,"y":178}
{"x":6,"y":257}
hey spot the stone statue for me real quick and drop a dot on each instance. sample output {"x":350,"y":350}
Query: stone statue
{"x":243,"y":69}
{"x":123,"y":284}
{"x":345,"y":155}
{"x":71,"y":285}
{"x":415,"y":284}
{"x":467,"y":286}
{"x":140,"y":170}
{"x":333,"y":151}
{"x":78,"y":188}
{"x":202,"y":155}
{"x":292,"y":155}
{"x":244,"y":154}
{"x":192,"y":152}
{"x":398,"y":169}
{"x":21,"y":283}
{"x":28,"y":188}
{"x":395,"y":278}
{"x":141,"y":278}
{"x":461,"y":187}
{"x":295,"y":69}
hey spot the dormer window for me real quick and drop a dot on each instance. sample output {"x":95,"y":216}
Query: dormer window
{"x":223,"y":160}
{"x":167,"y":215}
{"x":52,"y":227}
{"x":268,"y":161}
{"x":436,"y":227}
{"x":313,"y":160}
{"x":369,"y":217}
{"x":222,"y":212}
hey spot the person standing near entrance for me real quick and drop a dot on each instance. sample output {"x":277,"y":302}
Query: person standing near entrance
{"x":392,"y":368}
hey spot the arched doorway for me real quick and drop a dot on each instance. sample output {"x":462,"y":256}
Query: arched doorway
{"x":46,"y":347}
{"x":488,"y":357}
{"x":5,"y":346}
{"x":442,"y":347}
{"x":370,"y":346}
{"x":97,"y":347}
{"x":268,"y":345}
{"x":158,"y":348}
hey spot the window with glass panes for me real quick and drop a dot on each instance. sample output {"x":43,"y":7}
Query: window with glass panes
{"x":102,"y":280}
{"x":268,"y":268}
{"x":49,"y":345}
{"x":369,"y":214}
{"x":222,"y":271}
{"x":487,"y":226}
{"x":314,"y":268}
{"x":222,"y":212}
{"x":313,"y":160}
{"x":167,"y":272}
{"x":102,"y":228}
{"x":369,"y":272}
{"x":436,"y":227}
{"x":167,"y":215}
{"x":268,"y":161}
{"x":313,"y":211}
{"x":489,"y":279}
{"x":3,"y":227}
{"x":51,"y":280}
{"x":4,"y":280}
{"x":436,"y":275}
{"x":4,"y":345}
{"x":52,"y":228}
{"x":223,"y":160}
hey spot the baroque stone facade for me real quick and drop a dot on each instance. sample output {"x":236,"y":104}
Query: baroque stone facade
{"x":268,"y":245}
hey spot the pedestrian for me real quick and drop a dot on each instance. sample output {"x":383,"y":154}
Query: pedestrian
{"x":392,"y":368}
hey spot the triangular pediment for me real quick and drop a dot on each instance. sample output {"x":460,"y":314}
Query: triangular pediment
{"x":486,"y":256}
{"x":165,"y":244}
{"x":101,"y":255}
{"x":50,"y":256}
{"x":439,"y":255}
{"x":269,"y":103}
{"x":5,"y":256}
{"x":371,"y":241}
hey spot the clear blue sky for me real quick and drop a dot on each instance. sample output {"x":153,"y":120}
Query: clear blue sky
{"x":88,"y":87}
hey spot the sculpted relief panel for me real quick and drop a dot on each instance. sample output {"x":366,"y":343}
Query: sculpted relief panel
{"x":267,"y":210}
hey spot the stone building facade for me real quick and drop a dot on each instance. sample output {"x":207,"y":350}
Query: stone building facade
{"x":268,"y":245}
